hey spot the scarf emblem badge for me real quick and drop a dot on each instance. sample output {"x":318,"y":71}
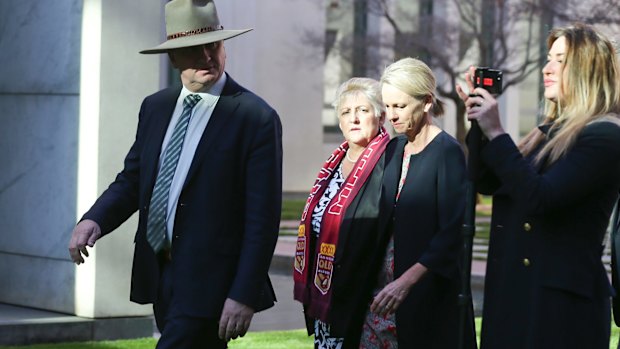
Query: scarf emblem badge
{"x":300,"y":253}
{"x":325,"y":267}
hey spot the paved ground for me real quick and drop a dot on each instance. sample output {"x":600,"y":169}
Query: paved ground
{"x":285,"y":315}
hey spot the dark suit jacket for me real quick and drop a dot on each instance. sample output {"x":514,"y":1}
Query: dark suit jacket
{"x":426,"y":226}
{"x":545,"y":284}
{"x":228,"y":212}
{"x":356,"y":262}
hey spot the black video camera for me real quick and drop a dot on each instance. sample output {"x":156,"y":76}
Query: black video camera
{"x":489,"y":79}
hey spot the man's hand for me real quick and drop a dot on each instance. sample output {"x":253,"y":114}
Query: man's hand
{"x":84,"y":234}
{"x":235,"y":320}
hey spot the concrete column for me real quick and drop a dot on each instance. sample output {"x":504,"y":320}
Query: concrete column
{"x":72,"y":82}
{"x":39,"y":102}
{"x":114,"y":80}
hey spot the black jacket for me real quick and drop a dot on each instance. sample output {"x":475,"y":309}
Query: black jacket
{"x":545,"y":283}
{"x":426,"y":226}
{"x":228,"y":213}
{"x":356,"y":261}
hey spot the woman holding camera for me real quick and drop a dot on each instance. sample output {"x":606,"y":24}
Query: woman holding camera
{"x":422,"y":205}
{"x":553,"y":194}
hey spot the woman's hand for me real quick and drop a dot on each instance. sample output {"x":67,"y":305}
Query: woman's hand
{"x":390,"y":297}
{"x":481,"y":106}
{"x":393,"y":294}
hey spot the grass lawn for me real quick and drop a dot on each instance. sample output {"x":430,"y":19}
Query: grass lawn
{"x":296,"y":339}
{"x":254,"y":340}
{"x":484,"y":206}
{"x":292,"y":209}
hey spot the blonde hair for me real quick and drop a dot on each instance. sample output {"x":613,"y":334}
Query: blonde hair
{"x":590,"y":90}
{"x":415,"y":78}
{"x":368,"y":87}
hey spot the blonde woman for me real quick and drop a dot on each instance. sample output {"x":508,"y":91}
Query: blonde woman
{"x":553,"y":194}
{"x":422,"y":205}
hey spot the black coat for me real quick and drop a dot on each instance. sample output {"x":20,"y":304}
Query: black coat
{"x":356,"y":262}
{"x":426,"y":225}
{"x":545,"y":284}
{"x":228,"y":213}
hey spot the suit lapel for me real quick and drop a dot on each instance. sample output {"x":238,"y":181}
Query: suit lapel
{"x":368,"y":201}
{"x":162,"y":113}
{"x":224,"y":109}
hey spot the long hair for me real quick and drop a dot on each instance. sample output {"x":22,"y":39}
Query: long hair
{"x":589,"y":90}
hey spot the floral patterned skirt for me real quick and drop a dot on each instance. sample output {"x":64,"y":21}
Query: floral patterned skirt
{"x":379,"y":332}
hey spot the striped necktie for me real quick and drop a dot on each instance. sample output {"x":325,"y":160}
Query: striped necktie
{"x":156,"y":224}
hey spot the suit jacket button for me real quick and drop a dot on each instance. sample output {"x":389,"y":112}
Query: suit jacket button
{"x":527,"y":226}
{"x":526,"y":262}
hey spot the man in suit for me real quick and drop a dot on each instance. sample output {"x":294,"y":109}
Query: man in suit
{"x":205,"y":174}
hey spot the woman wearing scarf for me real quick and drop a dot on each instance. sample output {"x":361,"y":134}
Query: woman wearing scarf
{"x":422,"y":206}
{"x":337,"y":236}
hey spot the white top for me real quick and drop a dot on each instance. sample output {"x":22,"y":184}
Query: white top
{"x":197,"y":123}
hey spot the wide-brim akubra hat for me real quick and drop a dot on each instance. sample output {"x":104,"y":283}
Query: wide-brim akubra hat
{"x":192,"y":23}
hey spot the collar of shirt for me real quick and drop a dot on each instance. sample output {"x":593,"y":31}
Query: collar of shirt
{"x":210,"y":97}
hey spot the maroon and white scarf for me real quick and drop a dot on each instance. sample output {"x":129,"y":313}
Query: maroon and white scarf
{"x":315,"y":294}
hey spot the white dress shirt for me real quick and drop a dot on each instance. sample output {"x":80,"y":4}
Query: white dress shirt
{"x":201,"y":113}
